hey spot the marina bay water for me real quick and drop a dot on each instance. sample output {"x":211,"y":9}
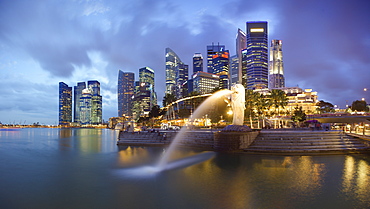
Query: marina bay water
{"x":82,"y":168}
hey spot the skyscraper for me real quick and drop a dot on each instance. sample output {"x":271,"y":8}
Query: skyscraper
{"x":172,"y":65}
{"x":65,"y":104}
{"x":234,"y":70}
{"x":96,"y":102}
{"x":142,"y":100}
{"x":255,"y":57}
{"x":217,"y":59}
{"x":197,"y":62}
{"x":146,"y":75}
{"x":76,"y":105}
{"x":85,"y":106}
{"x":182,"y":75}
{"x":125,"y":92}
{"x":218,"y":63}
{"x":241,"y":44}
{"x":276,"y":68}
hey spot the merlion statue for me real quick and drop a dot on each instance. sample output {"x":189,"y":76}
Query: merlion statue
{"x":238,"y":103}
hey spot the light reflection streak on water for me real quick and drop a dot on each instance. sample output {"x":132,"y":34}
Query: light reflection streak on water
{"x":356,"y":179}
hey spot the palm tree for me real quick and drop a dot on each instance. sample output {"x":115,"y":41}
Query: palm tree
{"x":168,"y":99}
{"x":277,"y":99}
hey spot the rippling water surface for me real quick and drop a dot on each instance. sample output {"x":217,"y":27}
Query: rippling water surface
{"x":83,"y":168}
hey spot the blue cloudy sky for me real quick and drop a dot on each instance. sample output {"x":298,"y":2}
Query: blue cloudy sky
{"x":326,"y":45}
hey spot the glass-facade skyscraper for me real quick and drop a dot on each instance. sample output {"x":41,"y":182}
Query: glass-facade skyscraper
{"x":65,"y":104}
{"x":172,"y":65}
{"x":197,"y":62}
{"x":234,"y":70}
{"x":76,"y":99}
{"x":276,"y":67}
{"x":255,"y":56}
{"x":125,"y":92}
{"x":146,"y":75}
{"x":241,"y":44}
{"x":217,"y":59}
{"x":218,"y":63}
{"x":182,"y":75}
{"x":86,"y":107}
{"x":96,"y":102}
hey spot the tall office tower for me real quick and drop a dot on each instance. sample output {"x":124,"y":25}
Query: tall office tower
{"x":125,"y":92}
{"x":142,"y":100}
{"x":173,"y":63}
{"x":218,"y":63}
{"x":77,"y":95}
{"x":182,"y":75}
{"x":255,"y":65}
{"x":85,"y":106}
{"x":96,"y":102}
{"x":197,"y":62}
{"x":276,"y":68}
{"x":217,"y":59}
{"x":204,"y":83}
{"x":241,"y":44}
{"x":65,"y":104}
{"x":234,"y":70}
{"x":146,"y":75}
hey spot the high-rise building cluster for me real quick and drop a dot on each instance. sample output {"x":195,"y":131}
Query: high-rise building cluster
{"x":250,"y":65}
{"x":136,"y":98}
{"x":86,"y":105}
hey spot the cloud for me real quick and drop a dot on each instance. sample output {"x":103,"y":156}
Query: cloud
{"x":326,"y":44}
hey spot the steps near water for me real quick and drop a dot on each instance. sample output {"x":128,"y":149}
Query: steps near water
{"x":293,"y":142}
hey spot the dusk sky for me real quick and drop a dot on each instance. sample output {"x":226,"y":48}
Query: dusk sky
{"x":326,"y":46}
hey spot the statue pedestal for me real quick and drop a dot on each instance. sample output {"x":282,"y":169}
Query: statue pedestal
{"x":234,"y":138}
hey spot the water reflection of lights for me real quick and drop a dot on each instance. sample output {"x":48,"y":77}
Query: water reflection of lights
{"x":356,"y":178}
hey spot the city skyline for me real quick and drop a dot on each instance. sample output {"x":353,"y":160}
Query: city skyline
{"x":43,"y":43}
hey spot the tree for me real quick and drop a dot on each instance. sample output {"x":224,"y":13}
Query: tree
{"x":298,"y":115}
{"x":359,"y":106}
{"x":325,"y":107}
{"x":277,"y":99}
{"x":168,"y":99}
{"x":155,"y":112}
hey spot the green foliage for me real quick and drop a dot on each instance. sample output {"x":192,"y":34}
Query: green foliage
{"x":359,"y":106}
{"x":298,"y":115}
{"x":168,"y":99}
{"x":325,"y":107}
{"x":155,"y":111}
{"x":277,"y":99}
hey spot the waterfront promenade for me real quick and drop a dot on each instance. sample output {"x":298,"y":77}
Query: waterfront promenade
{"x":288,"y":141}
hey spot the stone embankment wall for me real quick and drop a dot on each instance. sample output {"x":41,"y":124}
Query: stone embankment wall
{"x":195,"y":139}
{"x":234,"y":141}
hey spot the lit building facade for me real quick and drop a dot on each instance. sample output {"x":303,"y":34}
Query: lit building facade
{"x":197,"y":63}
{"x":85,"y":107}
{"x":96,"y":115}
{"x":241,"y":43}
{"x":205,"y":82}
{"x":142,"y":102}
{"x":172,"y":65}
{"x":125,"y":92}
{"x":182,"y":75}
{"x":65,"y":104}
{"x":234,"y":70}
{"x":217,"y":59}
{"x":77,"y":93}
{"x":297,"y":97}
{"x":255,"y":56}
{"x":276,"y":67}
{"x":146,"y":75}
